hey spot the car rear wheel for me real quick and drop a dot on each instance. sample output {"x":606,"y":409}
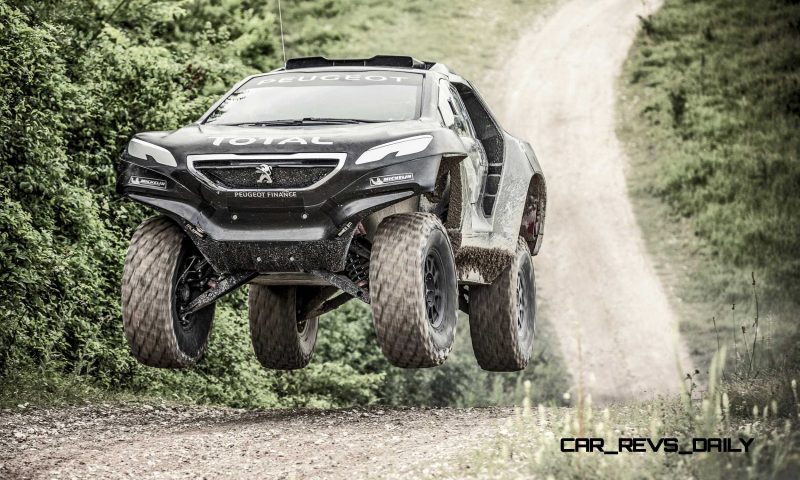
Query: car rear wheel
{"x":164,"y":272}
{"x":280,"y":340}
{"x":502,"y":316}
{"x":413,"y":290}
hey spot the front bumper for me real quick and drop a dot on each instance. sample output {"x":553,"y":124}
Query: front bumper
{"x":269,"y":231}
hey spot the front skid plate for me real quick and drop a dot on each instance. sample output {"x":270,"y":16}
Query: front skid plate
{"x":230,"y":283}
{"x":270,"y":257}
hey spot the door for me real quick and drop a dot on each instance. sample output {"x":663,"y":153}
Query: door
{"x":457,"y":119}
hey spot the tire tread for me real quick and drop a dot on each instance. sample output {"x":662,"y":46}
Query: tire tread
{"x":146,"y":295}
{"x":492,"y":320}
{"x":401,"y":324}
{"x":273,"y":330}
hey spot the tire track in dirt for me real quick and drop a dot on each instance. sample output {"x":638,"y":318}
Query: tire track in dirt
{"x":596,"y":282}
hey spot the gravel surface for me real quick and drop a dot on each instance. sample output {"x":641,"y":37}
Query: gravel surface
{"x":175,"y":441}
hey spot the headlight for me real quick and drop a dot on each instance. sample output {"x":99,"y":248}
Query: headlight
{"x":400,"y":148}
{"x":147,"y":151}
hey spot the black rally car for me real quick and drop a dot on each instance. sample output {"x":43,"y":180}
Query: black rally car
{"x":384,"y":179}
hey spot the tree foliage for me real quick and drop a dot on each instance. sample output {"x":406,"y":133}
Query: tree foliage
{"x":78,"y":79}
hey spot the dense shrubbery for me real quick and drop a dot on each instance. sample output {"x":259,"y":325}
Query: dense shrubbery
{"x":77,"y":82}
{"x":722,"y":79}
{"x":78,"y":79}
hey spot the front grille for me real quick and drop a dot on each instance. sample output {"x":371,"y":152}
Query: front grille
{"x":265,"y":173}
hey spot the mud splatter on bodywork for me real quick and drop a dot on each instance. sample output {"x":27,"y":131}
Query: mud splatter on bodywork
{"x":487,"y":263}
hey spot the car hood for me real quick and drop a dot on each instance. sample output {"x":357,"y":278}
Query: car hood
{"x":350,"y":139}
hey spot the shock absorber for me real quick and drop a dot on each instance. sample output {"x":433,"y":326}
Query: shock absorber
{"x":357,"y":263}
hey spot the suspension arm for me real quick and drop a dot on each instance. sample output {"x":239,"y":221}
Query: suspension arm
{"x":222,"y":287}
{"x":343,"y":283}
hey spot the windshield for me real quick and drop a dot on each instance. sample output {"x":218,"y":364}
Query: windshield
{"x":370,"y":96}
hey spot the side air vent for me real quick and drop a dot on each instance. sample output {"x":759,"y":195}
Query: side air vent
{"x":492,"y":187}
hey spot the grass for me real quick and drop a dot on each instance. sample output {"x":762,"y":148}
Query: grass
{"x":705,"y":101}
{"x":24,"y":390}
{"x":529,"y":445}
{"x":472,"y":37}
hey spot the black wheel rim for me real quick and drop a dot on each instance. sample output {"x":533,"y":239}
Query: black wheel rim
{"x":434,"y":288}
{"x":526,"y":302}
{"x":522,"y":302}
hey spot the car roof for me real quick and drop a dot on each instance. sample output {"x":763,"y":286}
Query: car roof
{"x":390,"y":61}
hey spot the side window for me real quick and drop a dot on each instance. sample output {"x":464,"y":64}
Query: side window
{"x":445,"y":105}
{"x":453,"y":111}
{"x":462,"y":122}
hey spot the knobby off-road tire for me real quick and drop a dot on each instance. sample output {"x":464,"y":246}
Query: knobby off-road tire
{"x":413,"y":289}
{"x":279,"y":340}
{"x":157,"y":336}
{"x":502,"y":316}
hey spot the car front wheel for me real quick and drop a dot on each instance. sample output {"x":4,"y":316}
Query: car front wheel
{"x":163,"y":273}
{"x":413,"y":290}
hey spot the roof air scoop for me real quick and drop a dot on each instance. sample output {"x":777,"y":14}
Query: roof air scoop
{"x":392,"y":61}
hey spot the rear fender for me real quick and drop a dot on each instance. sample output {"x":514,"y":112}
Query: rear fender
{"x":481,"y":253}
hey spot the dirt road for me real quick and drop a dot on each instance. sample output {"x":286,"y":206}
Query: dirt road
{"x":595,"y":279}
{"x":594,"y":276}
{"x":152,"y":441}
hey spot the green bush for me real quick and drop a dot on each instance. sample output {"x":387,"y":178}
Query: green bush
{"x":78,"y":79}
{"x":721,"y":79}
{"x":56,"y":243}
